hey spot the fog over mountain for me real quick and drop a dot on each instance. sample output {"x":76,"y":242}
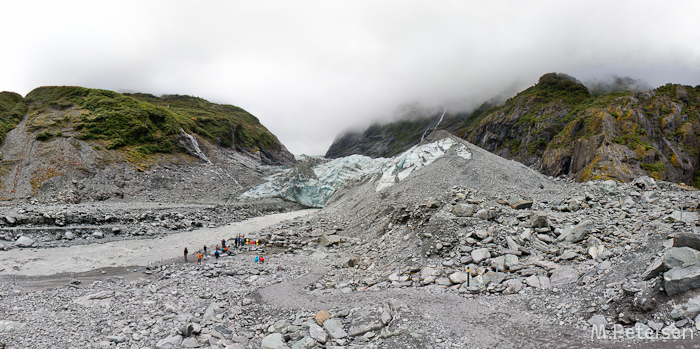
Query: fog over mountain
{"x":310,"y":70}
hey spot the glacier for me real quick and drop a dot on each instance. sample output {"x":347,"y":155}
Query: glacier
{"x":313,"y":186}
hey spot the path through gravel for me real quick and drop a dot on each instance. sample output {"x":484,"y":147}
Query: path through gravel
{"x":81,"y":258}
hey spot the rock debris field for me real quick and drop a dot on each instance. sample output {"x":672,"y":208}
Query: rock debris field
{"x":475,"y":252}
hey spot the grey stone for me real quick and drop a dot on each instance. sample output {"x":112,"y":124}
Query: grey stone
{"x":480,"y":254}
{"x":304,"y":343}
{"x":521,"y":204}
{"x":654,"y":269}
{"x":24,"y":241}
{"x":678,"y":280}
{"x":463,"y":210}
{"x":190,"y":342}
{"x":563,"y":275}
{"x":334,"y":328}
{"x":172,"y":341}
{"x":681,"y":257}
{"x":69,"y":235}
{"x":273,"y":341}
{"x":458,"y":277}
{"x":539,"y":220}
{"x":186,"y":330}
{"x":486,"y":214}
{"x":598,"y":320}
{"x":116,"y":339}
{"x":690,"y":309}
{"x":513,"y":286}
{"x":317,"y":333}
{"x":533,"y":281}
{"x":318,"y":255}
{"x":578,"y":232}
{"x":98,"y":234}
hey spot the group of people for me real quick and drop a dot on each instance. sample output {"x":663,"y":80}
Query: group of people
{"x":237,"y":242}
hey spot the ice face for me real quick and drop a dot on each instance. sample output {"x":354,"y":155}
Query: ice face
{"x":314,"y":190}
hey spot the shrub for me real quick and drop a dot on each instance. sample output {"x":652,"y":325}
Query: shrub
{"x":44,"y":136}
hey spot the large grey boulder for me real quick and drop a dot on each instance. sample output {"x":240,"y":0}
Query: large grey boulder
{"x":681,"y":257}
{"x":679,"y":280}
{"x":563,"y":275}
{"x":24,"y":241}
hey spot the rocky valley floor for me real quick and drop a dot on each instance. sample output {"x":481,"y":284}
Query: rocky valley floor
{"x":597,"y":260}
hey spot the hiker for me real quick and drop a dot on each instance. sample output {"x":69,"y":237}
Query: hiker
{"x":185,"y":254}
{"x":199,"y":257}
{"x":235,"y":242}
{"x":216,"y":254}
{"x":226,"y":250}
{"x":223,"y":243}
{"x":205,"y":250}
{"x":262,"y":259}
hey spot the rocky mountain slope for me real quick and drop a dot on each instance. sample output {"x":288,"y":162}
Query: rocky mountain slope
{"x":558,"y":127}
{"x":74,"y":144}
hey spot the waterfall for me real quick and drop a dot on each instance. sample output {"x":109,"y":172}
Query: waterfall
{"x":441,"y":116}
{"x":436,"y":126}
{"x":200,"y":154}
{"x":195,"y":145}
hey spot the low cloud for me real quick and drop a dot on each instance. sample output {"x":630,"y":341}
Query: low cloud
{"x":310,"y":70}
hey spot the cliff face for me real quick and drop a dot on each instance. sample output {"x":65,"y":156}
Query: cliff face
{"x":74,"y":144}
{"x":560,"y":128}
{"x":631,"y":134}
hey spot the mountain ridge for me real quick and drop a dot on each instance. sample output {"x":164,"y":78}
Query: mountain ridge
{"x":562,"y":129}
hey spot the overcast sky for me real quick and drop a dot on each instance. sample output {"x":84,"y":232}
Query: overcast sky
{"x":312,"y":69}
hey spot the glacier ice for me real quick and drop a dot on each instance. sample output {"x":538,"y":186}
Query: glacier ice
{"x":314,"y":186}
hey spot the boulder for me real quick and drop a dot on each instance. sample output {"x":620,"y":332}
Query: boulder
{"x":486,"y":214}
{"x":687,"y":239}
{"x":681,"y":257}
{"x":655,"y":268}
{"x":563,"y":275}
{"x":322,"y":316}
{"x":578,"y":232}
{"x":316,"y":332}
{"x":304,"y":343}
{"x":480,"y":254}
{"x":539,"y":220}
{"x":463,"y":210}
{"x":172,"y":341}
{"x":24,"y":241}
{"x":513,"y":286}
{"x":679,"y":280}
{"x":334,"y":328}
{"x":458,"y":277}
{"x":273,"y":341}
{"x":687,"y":310}
{"x":521,"y":204}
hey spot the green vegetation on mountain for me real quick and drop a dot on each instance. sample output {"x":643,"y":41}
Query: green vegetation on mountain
{"x":151,"y":124}
{"x":12,"y":109}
